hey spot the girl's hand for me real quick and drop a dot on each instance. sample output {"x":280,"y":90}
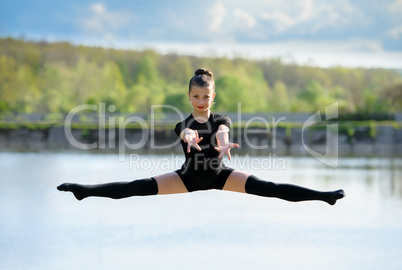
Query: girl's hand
{"x":192,"y":140}
{"x":225,"y":148}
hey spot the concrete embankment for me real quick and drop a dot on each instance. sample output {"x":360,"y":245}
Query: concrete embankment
{"x":359,"y":141}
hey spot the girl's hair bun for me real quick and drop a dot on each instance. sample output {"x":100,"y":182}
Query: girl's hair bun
{"x":205,"y":71}
{"x":202,"y":78}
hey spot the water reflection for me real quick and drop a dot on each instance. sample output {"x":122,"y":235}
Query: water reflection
{"x":46,"y":228}
{"x":384,"y":172}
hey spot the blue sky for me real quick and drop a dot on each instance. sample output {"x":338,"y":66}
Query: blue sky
{"x":324,"y":33}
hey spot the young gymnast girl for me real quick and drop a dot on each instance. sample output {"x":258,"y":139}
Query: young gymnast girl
{"x":205,"y":139}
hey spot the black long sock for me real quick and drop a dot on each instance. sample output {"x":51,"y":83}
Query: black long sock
{"x":115,"y":190}
{"x":289,"y":192}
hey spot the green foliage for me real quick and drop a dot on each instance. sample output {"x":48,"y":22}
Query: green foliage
{"x":4,"y":107}
{"x":279,"y":99}
{"x":230,"y":86}
{"x":393,"y":95}
{"x":146,"y":70}
{"x":247,"y":87}
{"x":180,"y":71}
{"x":373,"y":130}
{"x":53,"y":78}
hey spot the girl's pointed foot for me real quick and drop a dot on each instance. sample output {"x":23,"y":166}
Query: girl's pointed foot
{"x":76,"y":189}
{"x":334,"y":196}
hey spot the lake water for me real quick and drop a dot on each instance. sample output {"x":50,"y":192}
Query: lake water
{"x":42,"y":228}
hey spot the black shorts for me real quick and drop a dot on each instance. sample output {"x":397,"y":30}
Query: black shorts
{"x":205,"y":180}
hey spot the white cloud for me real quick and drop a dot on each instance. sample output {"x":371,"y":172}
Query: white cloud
{"x":396,"y":33}
{"x":280,"y":20}
{"x":396,"y":6}
{"x":284,"y":19}
{"x":218,"y":13}
{"x":307,"y":10}
{"x":312,"y":16}
{"x":347,"y":53}
{"x":100,"y":20}
{"x":345,"y":13}
{"x":245,"y":18}
{"x":98,"y":7}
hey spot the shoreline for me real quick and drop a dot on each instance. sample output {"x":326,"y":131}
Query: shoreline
{"x":384,"y":140}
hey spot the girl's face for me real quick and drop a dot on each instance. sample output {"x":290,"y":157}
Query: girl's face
{"x":201,"y":98}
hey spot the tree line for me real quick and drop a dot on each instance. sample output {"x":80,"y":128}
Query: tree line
{"x":42,"y":77}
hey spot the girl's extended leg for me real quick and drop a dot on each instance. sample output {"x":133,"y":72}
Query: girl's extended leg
{"x":242,"y":182}
{"x":168,"y":183}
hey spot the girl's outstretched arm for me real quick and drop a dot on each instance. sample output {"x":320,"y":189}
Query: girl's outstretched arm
{"x":191,"y":137}
{"x":223,"y":144}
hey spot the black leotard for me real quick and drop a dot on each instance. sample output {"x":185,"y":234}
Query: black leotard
{"x":203,"y":170}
